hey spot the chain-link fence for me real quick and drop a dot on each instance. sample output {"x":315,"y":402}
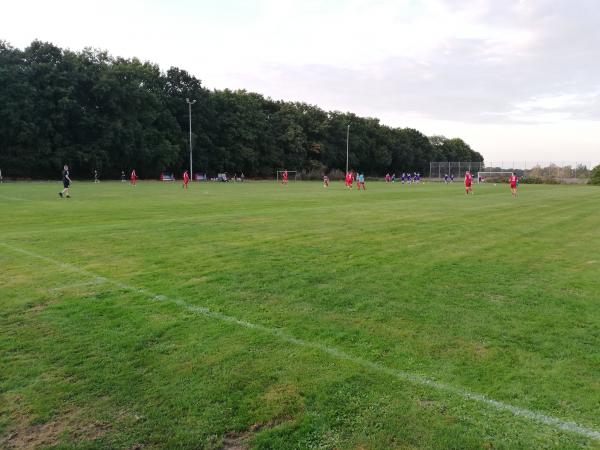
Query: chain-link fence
{"x":531,"y":171}
{"x":545,"y":171}
{"x":455,"y":169}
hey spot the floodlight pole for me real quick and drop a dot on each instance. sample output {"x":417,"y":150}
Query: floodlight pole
{"x":347,"y":146}
{"x":190,"y":117}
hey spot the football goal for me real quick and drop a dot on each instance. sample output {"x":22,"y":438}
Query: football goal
{"x":292,"y":175}
{"x":493,"y":176}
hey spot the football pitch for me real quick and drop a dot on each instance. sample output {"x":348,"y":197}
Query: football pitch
{"x":253,"y":315}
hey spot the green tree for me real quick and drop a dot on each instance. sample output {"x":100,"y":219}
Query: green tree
{"x":93,"y":111}
{"x":595,"y":176}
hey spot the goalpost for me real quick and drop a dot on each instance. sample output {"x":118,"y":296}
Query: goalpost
{"x":292,"y":175}
{"x":495,"y":176}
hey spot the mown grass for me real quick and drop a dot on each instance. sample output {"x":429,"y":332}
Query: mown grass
{"x":486,"y":294}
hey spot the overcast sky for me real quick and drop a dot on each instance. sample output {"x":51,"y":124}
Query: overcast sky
{"x":517,"y":79}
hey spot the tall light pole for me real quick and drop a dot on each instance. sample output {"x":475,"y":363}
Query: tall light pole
{"x":347,"y":146}
{"x":190,"y":116}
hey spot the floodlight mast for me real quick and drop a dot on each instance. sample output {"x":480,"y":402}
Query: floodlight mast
{"x":347,"y":146}
{"x":190,"y":117}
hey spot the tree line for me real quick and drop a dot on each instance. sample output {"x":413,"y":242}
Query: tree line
{"x":92,"y":111}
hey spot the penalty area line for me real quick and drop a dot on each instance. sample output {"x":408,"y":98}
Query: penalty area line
{"x":532,"y":415}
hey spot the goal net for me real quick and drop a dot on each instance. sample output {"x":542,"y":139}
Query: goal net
{"x":493,"y":176}
{"x":292,"y":175}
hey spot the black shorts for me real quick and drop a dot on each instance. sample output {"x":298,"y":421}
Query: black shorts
{"x":66,"y":184}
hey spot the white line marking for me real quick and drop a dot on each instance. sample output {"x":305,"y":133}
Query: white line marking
{"x":532,"y":415}
{"x":14,"y":199}
{"x":95,"y":281}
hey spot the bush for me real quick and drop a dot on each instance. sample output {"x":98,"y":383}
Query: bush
{"x":314,"y":172}
{"x":595,"y":176}
{"x":539,"y":180}
{"x":336,"y":174}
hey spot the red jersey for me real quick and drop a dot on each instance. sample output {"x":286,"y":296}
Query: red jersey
{"x":285,"y":175}
{"x":186,"y":177}
{"x":133,"y":175}
{"x":468,"y":180}
{"x":513,"y":181}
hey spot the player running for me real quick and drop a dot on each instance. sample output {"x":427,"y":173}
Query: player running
{"x":360,"y":181}
{"x":186,"y":179}
{"x":133,"y":177}
{"x":468,"y":183}
{"x":514,"y":181}
{"x":66,"y":192}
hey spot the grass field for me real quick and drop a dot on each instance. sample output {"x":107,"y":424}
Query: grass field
{"x":256,"y":316}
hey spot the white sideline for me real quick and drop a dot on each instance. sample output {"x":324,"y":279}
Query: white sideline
{"x":14,"y":199}
{"x":532,"y":415}
{"x":95,"y":281}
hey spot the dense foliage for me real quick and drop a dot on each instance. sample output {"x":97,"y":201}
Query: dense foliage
{"x":595,"y":176}
{"x":91,"y":110}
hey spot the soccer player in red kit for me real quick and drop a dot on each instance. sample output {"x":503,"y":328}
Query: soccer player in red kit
{"x":134,"y":177}
{"x":285,"y":177}
{"x":349,"y":180}
{"x":186,"y":179}
{"x":468,"y":183}
{"x":513,"y":180}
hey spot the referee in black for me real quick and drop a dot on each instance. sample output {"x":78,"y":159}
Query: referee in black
{"x":66,"y":183}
